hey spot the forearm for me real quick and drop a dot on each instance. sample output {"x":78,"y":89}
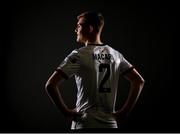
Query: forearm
{"x":135,"y":90}
{"x":56,"y":98}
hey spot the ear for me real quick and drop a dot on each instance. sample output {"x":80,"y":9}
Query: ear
{"x":91,"y":29}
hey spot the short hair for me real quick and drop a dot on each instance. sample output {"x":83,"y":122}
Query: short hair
{"x":93,"y":18}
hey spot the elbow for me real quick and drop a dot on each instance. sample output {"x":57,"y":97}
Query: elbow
{"x":142,"y":81}
{"x":138,"y":82}
{"x":49,"y":87}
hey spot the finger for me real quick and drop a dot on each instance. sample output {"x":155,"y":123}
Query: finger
{"x":69,"y":118}
{"x":78,"y":116}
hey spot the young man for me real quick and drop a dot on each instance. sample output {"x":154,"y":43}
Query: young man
{"x":96,"y":68}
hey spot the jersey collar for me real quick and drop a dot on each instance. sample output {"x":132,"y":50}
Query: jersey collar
{"x":96,"y":44}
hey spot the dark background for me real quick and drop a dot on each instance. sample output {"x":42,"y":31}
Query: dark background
{"x":36,"y":37}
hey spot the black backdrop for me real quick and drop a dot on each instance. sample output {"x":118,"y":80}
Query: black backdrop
{"x":36,"y":37}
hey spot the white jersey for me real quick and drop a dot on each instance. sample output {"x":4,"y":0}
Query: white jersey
{"x":96,"y":69}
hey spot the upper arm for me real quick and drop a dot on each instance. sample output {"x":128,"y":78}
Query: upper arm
{"x":129,"y":72}
{"x":68,"y":67}
{"x":133,"y":76}
{"x":57,"y":77}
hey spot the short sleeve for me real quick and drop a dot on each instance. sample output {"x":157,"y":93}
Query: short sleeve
{"x":124,"y":65}
{"x":70,"y":65}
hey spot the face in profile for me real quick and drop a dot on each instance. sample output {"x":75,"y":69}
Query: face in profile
{"x":81,"y":31}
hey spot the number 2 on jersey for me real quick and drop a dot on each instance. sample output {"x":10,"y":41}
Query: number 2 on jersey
{"x":103,"y":89}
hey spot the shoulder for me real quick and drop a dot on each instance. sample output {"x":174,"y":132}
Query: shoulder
{"x":82,"y":49}
{"x":74,"y":52}
{"x":114,"y":51}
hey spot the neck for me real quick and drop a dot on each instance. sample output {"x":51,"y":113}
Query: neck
{"x":95,"y":40}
